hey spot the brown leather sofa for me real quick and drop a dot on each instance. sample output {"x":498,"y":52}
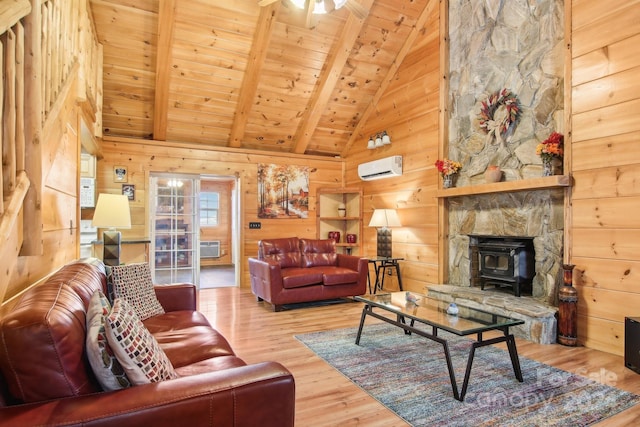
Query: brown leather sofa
{"x":293,"y":270}
{"x":47,"y":379}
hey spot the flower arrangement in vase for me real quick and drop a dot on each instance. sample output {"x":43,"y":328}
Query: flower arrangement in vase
{"x":551,"y":151}
{"x":448,"y":168}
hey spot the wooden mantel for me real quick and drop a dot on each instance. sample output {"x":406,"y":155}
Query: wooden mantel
{"x":542,"y":183}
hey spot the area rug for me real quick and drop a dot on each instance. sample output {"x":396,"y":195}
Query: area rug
{"x":408,"y":374}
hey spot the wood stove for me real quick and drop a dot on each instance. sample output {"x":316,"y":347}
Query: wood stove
{"x":502,"y":262}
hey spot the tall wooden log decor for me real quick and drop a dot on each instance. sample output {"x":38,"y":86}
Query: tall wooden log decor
{"x":568,"y":309}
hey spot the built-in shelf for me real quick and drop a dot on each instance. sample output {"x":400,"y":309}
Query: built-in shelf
{"x":542,"y":183}
{"x":328,"y":217}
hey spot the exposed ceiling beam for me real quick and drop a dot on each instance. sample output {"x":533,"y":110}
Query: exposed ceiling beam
{"x":166,"y":16}
{"x":329,"y":78}
{"x":402,"y":53}
{"x":249,"y":87}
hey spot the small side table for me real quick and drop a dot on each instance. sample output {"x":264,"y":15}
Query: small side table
{"x":380,"y":266}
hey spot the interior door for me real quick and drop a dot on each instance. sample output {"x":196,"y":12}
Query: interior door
{"x":175,"y":228}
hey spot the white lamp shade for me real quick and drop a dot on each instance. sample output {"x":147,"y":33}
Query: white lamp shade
{"x":379,"y":141}
{"x":112,"y":211}
{"x":319,"y":5}
{"x":385,"y":218}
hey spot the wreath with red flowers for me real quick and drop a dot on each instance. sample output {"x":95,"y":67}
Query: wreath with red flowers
{"x":489,"y":123}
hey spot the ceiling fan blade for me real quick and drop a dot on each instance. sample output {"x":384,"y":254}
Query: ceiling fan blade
{"x":266,"y":2}
{"x":357,"y":9}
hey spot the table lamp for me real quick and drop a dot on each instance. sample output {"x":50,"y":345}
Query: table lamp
{"x":383,"y":219}
{"x":112,"y":211}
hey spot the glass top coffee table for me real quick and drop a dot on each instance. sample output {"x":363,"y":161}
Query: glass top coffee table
{"x":433,"y":313}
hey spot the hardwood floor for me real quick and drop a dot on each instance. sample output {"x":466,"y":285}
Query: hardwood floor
{"x":326,"y":398}
{"x":217,"y":276}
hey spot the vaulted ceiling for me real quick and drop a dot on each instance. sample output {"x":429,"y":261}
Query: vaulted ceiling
{"x":252,"y":74}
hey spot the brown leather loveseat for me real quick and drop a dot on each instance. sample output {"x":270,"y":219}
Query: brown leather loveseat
{"x":294,"y":270}
{"x":47,"y":379}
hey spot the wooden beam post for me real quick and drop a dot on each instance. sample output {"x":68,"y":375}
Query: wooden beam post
{"x":166,"y":17}
{"x":32,"y":244}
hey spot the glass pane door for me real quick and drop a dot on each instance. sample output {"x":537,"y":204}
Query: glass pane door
{"x":174,"y":228}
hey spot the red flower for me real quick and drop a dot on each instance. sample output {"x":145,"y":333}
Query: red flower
{"x":551,"y":147}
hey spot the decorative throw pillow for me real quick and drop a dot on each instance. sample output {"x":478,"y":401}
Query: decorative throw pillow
{"x":136,"y":349}
{"x":133,"y":283}
{"x":104,"y":363}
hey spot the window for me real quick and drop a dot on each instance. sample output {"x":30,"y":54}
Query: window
{"x":209,"y":206}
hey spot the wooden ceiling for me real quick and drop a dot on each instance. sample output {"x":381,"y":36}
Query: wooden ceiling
{"x":235,"y":73}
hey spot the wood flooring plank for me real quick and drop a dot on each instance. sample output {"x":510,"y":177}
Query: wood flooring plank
{"x":324,"y":397}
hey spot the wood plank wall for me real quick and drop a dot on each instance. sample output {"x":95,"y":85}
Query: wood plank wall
{"x":143,"y":157}
{"x":606,"y":167}
{"x":410,"y":112}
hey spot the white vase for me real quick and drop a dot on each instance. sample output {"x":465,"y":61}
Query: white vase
{"x":552,"y":166}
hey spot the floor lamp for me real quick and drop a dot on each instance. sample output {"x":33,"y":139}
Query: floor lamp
{"x":383,"y":219}
{"x":112,"y":211}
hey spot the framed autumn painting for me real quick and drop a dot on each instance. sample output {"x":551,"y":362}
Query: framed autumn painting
{"x":283,"y":191}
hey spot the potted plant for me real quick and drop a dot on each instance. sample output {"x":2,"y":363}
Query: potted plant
{"x":448,"y":168}
{"x":551,"y":151}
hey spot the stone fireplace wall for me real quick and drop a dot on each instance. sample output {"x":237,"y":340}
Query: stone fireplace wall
{"x":517,"y":45}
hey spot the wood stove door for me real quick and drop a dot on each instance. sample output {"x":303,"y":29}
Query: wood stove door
{"x":496,"y":265}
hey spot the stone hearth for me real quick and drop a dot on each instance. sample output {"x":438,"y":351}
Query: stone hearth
{"x":540,"y":319}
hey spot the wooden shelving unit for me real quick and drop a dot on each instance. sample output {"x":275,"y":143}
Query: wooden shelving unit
{"x":328,"y":219}
{"x":542,"y":183}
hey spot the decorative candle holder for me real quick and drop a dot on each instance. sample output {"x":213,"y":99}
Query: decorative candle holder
{"x":335,"y":235}
{"x":342,"y":210}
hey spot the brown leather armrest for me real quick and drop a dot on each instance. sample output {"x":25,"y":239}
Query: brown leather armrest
{"x":177,"y":296}
{"x":352,"y":262}
{"x":266,"y":278}
{"x":261,"y":394}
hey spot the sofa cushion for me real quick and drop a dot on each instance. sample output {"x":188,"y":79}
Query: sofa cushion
{"x":136,"y":349}
{"x":180,"y":330}
{"x":285,"y":252}
{"x":133,"y":283}
{"x":103,"y":361}
{"x":299,"y":277}
{"x":210,"y":365}
{"x":318,"y":252}
{"x":339,"y":276}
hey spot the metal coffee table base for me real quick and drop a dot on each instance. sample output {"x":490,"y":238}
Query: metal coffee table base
{"x":459,"y":395}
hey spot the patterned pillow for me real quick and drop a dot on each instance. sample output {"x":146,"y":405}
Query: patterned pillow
{"x":104,"y":363}
{"x":133,"y":283}
{"x":136,"y":349}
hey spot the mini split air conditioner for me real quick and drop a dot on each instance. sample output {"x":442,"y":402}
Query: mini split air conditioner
{"x":382,"y":168}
